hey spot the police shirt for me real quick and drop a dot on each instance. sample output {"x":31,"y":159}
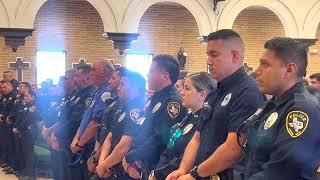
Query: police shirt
{"x":285,"y":143}
{"x":164,"y":111}
{"x":170,"y":159}
{"x":72,"y":115}
{"x":96,"y":105}
{"x":7,"y":106}
{"x":129,"y":121}
{"x":27,"y":117}
{"x":232,"y":102}
{"x":110,"y":115}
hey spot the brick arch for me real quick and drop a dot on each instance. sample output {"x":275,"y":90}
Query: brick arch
{"x":27,"y":13}
{"x":137,"y":8}
{"x":234,"y":7}
{"x":311,"y":22}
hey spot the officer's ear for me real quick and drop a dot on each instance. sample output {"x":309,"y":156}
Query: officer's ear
{"x":203,"y":95}
{"x":292,"y":70}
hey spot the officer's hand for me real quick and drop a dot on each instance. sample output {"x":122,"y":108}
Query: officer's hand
{"x":91,"y":165}
{"x":15,"y":130}
{"x":186,"y":177}
{"x":133,"y":172}
{"x":45,"y":133}
{"x":176,"y":174}
{"x":100,"y":170}
{"x":125,"y":165}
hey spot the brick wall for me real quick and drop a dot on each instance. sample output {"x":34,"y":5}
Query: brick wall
{"x":314,"y":59}
{"x":257,"y":26}
{"x":76,"y":27}
{"x":161,"y":32}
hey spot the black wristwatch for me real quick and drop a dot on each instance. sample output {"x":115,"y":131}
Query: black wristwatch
{"x":194,"y":173}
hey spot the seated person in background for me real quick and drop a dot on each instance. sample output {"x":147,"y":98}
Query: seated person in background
{"x":196,"y":88}
{"x":128,"y":128}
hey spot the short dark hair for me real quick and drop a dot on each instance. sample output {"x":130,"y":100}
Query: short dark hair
{"x":289,"y":50}
{"x":85,"y":69}
{"x":224,"y":34}
{"x":315,"y":76}
{"x":169,"y":64}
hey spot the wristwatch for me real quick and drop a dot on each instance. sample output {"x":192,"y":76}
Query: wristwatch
{"x":194,"y":173}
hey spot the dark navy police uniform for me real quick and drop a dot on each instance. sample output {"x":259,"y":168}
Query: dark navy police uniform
{"x":170,"y":159}
{"x":164,"y":111}
{"x":234,"y":100}
{"x":284,"y":144}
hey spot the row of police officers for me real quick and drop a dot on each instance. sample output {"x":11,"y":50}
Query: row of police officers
{"x":219,"y":126}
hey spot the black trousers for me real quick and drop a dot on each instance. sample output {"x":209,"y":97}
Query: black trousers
{"x":17,"y":161}
{"x":27,"y":142}
{"x":4,"y":143}
{"x":60,"y":165}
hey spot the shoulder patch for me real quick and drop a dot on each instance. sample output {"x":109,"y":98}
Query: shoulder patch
{"x":156,"y":107}
{"x":136,"y":116}
{"x":173,"y":109}
{"x":32,"y":109}
{"x":296,"y":123}
{"x":226,"y":99}
{"x":105,"y":96}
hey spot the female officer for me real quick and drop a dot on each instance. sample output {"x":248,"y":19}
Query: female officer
{"x":196,"y":88}
{"x":25,"y":129}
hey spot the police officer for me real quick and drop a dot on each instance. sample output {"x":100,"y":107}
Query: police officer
{"x":25,"y":129}
{"x":71,"y":115}
{"x":128,"y":129}
{"x":214,"y":149}
{"x":196,"y":88}
{"x":7,"y":108}
{"x":164,"y":111}
{"x":84,"y":139}
{"x":283,"y":142}
{"x":105,"y":124}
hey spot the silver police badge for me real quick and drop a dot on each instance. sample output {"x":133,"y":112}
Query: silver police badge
{"x":173,"y":109}
{"x":122,"y":117}
{"x":135,"y":116}
{"x":156,"y":107}
{"x":226,"y":99}
{"x":32,"y":109}
{"x":271,"y":120}
{"x":187,"y":129}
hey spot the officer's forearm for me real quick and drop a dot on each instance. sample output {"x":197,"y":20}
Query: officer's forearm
{"x":118,"y":152}
{"x":105,"y":148}
{"x":190,"y":154}
{"x":223,"y":158}
{"x":97,"y":146}
{"x":88,"y":134}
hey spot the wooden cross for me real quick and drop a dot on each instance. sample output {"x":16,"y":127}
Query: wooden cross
{"x":247,"y":68}
{"x":82,"y":62}
{"x":19,"y":65}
